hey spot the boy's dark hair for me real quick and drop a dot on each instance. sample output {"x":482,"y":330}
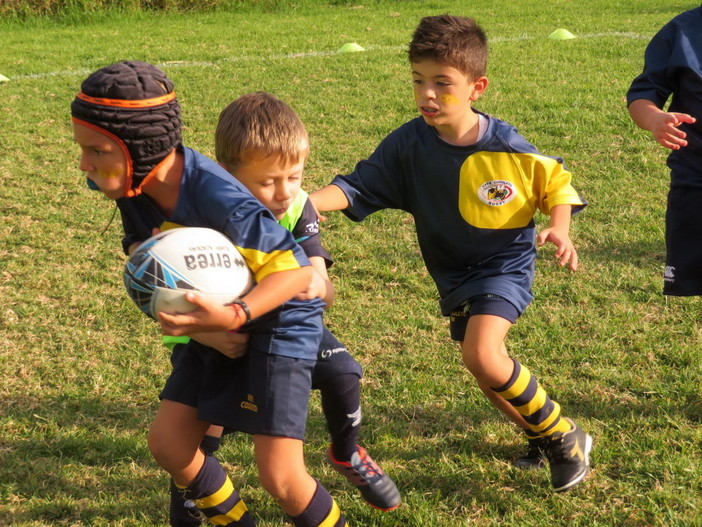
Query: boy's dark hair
{"x":456,"y":41}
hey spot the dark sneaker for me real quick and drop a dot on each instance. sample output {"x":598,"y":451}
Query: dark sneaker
{"x":196,"y":516}
{"x":375,"y":486}
{"x":534,"y":456}
{"x":183,"y":513}
{"x":568,"y":454}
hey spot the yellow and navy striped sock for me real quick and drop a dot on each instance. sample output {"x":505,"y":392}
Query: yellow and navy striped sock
{"x":542,"y":414}
{"x":214,"y":495}
{"x":181,"y":511}
{"x":322,"y":511}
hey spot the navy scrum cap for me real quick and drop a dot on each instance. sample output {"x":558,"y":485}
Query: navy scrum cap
{"x":134,"y":104}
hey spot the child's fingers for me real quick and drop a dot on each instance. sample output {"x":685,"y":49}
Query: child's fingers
{"x":671,"y":137}
{"x":570,"y":257}
{"x":574,"y":261}
{"x":683,"y":118}
{"x":195,"y":299}
{"x":541,"y":238}
{"x":567,"y":255}
{"x":174,"y":325}
{"x":671,"y":142}
{"x":668,"y":133}
{"x":319,"y":215}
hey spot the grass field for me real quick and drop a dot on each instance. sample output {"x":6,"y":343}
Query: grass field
{"x":80,"y":368}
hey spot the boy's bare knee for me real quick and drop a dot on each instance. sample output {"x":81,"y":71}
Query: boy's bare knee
{"x":487,"y":363}
{"x":476,"y":369}
{"x":168,"y":453}
{"x":159,"y":447}
{"x":277,"y":484}
{"x":476,"y":361}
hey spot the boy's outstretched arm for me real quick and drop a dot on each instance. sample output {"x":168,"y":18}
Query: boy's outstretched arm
{"x":558,"y":234}
{"x":329,"y":198}
{"x":663,"y":125}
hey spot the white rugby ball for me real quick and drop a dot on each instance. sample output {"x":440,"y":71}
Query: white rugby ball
{"x":168,"y":265}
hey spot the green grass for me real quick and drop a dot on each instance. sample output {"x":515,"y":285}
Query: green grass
{"x":81,"y":369}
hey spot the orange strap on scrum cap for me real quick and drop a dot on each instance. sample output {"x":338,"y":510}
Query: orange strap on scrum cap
{"x":125,"y":103}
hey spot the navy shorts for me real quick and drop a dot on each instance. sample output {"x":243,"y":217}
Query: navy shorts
{"x":259,"y":393}
{"x":481,"y":305}
{"x":683,"y":241}
{"x":266,"y":391}
{"x":333,"y":360}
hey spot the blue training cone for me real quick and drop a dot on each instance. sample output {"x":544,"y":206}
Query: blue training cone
{"x":561,"y":34}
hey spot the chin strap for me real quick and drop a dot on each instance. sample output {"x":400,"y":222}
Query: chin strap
{"x":114,"y":213}
{"x":131,"y":192}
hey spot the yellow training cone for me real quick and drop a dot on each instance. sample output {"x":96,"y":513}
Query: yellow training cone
{"x":3,"y":78}
{"x":561,"y":34}
{"x":350,"y":47}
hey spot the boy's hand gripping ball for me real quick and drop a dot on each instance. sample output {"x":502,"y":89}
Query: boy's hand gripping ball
{"x":168,"y":265}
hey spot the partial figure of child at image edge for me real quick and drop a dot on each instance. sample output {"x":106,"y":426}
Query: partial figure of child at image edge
{"x":673,"y":67}
{"x":263,"y":143}
{"x":473,"y":186}
{"x":126,"y":120}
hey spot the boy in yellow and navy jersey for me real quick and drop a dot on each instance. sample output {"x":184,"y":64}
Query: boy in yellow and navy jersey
{"x":263,"y":143}
{"x":473,"y":186}
{"x":126,"y":120}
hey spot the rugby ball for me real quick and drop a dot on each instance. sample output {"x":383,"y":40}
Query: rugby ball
{"x":168,"y":265}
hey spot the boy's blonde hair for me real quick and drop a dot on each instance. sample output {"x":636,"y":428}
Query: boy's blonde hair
{"x":455,"y":41}
{"x":259,"y":125}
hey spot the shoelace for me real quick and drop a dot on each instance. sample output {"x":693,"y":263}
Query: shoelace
{"x":368,"y":469}
{"x":555,"y":451}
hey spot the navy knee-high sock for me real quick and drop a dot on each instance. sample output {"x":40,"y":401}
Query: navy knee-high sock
{"x":182,"y":512}
{"x":322,"y":510}
{"x":214,"y":495}
{"x":341,"y":404}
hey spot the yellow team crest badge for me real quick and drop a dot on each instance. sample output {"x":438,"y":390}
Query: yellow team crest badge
{"x":496,"y":193}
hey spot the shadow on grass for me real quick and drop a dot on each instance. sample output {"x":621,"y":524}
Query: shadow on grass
{"x":75,"y":458}
{"x":85,"y":461}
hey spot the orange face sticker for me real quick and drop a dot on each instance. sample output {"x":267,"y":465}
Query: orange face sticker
{"x":447,"y":98}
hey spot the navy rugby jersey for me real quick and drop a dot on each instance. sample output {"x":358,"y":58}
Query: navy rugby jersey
{"x":468,"y":202}
{"x":210,"y":197}
{"x":673,"y":66}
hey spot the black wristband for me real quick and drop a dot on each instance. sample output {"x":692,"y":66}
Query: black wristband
{"x":244,"y":307}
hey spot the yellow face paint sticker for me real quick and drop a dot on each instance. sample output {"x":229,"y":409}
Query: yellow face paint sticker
{"x":109,"y":174}
{"x":447,"y":98}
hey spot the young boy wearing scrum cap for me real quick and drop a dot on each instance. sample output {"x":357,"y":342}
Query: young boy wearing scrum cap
{"x":126,"y":120}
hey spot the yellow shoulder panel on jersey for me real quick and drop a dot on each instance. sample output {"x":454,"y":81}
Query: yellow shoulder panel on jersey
{"x":262,"y":264}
